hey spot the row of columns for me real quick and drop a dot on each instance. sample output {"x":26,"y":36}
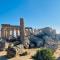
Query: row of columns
{"x":15,"y":32}
{"x":28,"y":31}
{"x":6,"y":32}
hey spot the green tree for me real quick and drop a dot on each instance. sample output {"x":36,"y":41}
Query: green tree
{"x":44,"y":54}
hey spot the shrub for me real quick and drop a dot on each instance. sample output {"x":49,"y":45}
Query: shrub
{"x":44,"y":54}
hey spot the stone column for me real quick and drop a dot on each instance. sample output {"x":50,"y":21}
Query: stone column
{"x":12,"y":32}
{"x":28,"y":32}
{"x":16,"y":32}
{"x":8,"y":32}
{"x":5,"y":33}
{"x":22,"y":29}
{"x":23,"y":38}
{"x":2,"y":32}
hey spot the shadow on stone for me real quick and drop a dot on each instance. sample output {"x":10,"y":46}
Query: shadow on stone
{"x":23,"y":54}
{"x":3,"y":57}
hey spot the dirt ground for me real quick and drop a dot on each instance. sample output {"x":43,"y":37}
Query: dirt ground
{"x":57,"y":53}
{"x":31,"y":52}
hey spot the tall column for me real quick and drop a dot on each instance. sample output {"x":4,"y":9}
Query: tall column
{"x":12,"y":32}
{"x":22,"y":29}
{"x":28,"y":32}
{"x":16,"y":32}
{"x":5,"y":33}
{"x":8,"y":32}
{"x":2,"y":32}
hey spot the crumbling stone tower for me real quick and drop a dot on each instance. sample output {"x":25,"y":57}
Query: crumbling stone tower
{"x":22,"y":30}
{"x":24,"y":39}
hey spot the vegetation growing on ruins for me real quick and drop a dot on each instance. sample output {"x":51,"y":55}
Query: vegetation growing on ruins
{"x":44,"y":54}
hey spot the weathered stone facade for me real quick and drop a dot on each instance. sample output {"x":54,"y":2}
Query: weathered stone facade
{"x":7,"y":30}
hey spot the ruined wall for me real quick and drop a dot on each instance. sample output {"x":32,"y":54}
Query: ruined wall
{"x":7,"y":30}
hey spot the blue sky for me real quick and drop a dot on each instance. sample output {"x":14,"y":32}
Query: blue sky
{"x":36,"y":13}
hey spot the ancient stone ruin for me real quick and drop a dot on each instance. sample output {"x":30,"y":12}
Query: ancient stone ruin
{"x":14,"y":30}
{"x":27,"y":37}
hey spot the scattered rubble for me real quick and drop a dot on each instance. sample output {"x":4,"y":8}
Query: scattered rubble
{"x":47,"y":37}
